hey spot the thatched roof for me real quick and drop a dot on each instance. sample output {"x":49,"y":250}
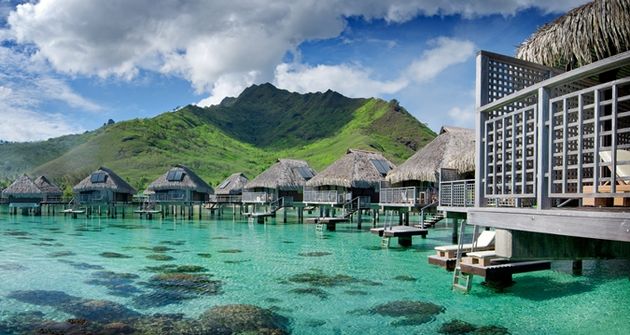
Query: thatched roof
{"x":189,"y":181}
{"x":357,"y":168}
{"x":232,"y":185}
{"x":591,"y":32}
{"x":112,"y":182}
{"x":47,"y":186}
{"x":284,"y":175}
{"x":23,"y":186}
{"x":453,"y":148}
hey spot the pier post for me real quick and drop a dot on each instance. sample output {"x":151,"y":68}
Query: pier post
{"x":407,"y":218}
{"x":400,"y":218}
{"x":404,"y":241}
{"x":200,"y":211}
{"x":284,"y":215}
{"x":374,"y":218}
{"x":359,"y":218}
{"x":576,"y":267}
{"x":455,"y":234}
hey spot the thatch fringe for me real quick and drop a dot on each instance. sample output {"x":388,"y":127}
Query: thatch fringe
{"x":233,"y":184}
{"x":591,"y":32}
{"x":284,"y":175}
{"x":191,"y":181}
{"x":23,"y":186}
{"x":453,"y":148}
{"x":47,"y":186}
{"x":113,"y":182}
{"x":353,"y":170}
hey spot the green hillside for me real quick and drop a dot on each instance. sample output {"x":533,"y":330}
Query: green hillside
{"x":246,"y":133}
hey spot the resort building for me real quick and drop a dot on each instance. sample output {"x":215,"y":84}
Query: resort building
{"x":103,"y":186}
{"x":415,"y":183}
{"x":26,"y":193}
{"x":284,"y":181}
{"x":353,"y":179}
{"x":230,"y":191}
{"x":179,"y":185}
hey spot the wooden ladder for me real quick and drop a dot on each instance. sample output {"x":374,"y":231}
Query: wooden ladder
{"x":462,"y":281}
{"x":385,"y":240}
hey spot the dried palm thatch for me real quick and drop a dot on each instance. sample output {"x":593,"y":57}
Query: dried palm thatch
{"x":113,"y":182}
{"x":453,"y":148}
{"x":591,"y":32}
{"x":354,"y":170}
{"x":47,"y":186}
{"x":23,"y":187}
{"x":190,"y":181}
{"x":285,"y":175}
{"x":233,"y":184}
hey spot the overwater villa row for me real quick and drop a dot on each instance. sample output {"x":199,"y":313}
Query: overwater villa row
{"x":357,"y":182}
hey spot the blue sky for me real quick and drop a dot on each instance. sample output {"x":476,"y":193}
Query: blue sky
{"x":70,"y":65}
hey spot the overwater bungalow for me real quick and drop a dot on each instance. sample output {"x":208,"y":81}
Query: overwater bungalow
{"x":553,"y":142}
{"x":103,"y":187}
{"x":230,"y":191}
{"x":52,"y":192}
{"x":415,"y":183}
{"x":23,"y":193}
{"x":179,"y":185}
{"x":353,"y":179}
{"x":282,"y":182}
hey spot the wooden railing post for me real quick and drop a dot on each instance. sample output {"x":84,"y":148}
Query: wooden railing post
{"x":481,"y":94}
{"x":542,"y":156}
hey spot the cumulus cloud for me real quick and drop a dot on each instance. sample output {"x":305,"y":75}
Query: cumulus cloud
{"x":462,"y":116}
{"x":220,"y":45}
{"x":356,"y":81}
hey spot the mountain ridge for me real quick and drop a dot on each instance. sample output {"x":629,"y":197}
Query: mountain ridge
{"x":245,"y":133}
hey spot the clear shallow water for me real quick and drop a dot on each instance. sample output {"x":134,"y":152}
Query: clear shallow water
{"x":266,"y":266}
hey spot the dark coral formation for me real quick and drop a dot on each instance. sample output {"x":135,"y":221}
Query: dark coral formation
{"x":456,"y":327}
{"x":160,"y":257}
{"x":408,"y":312}
{"x":315,"y":254}
{"x":109,"y":254}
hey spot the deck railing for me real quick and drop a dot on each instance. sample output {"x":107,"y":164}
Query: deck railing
{"x":226,"y":198}
{"x":258,"y":197}
{"x":404,"y":196}
{"x":457,"y":193}
{"x":545,"y":136}
{"x":333,"y":197}
{"x":168,"y":197}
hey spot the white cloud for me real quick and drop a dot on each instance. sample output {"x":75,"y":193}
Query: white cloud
{"x":356,"y":81}
{"x":20,"y":124}
{"x":447,"y":52}
{"x":217,"y":45}
{"x":349,"y":80}
{"x":462,"y":116}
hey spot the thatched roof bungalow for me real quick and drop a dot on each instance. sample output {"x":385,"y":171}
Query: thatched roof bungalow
{"x":51,"y":191}
{"x":180,"y":185}
{"x":103,"y":186}
{"x":23,"y":191}
{"x":414,"y":181}
{"x":357,"y":173}
{"x":231,"y":189}
{"x":286,"y":178}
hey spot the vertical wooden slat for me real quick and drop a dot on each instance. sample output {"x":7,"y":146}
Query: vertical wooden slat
{"x":524,"y":127}
{"x":613,"y":168}
{"x":596,"y":124}
{"x":481,"y":98}
{"x":503,"y":159}
{"x":513,"y":177}
{"x":580,"y":154}
{"x":565,"y":130}
{"x":494,"y":152}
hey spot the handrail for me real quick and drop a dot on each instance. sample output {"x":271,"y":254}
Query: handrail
{"x":422,"y":212}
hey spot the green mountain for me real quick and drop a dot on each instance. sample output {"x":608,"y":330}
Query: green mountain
{"x":246,"y":133}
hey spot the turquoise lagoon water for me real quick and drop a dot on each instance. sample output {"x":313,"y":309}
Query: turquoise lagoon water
{"x":323,"y":283}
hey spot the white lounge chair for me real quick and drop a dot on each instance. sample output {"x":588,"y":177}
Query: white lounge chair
{"x":622,"y":172}
{"x":485,"y":241}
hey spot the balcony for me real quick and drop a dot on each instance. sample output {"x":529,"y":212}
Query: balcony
{"x":405,"y":197}
{"x":549,"y":139}
{"x":258,"y":197}
{"x":329,"y":197}
{"x":457,"y":193}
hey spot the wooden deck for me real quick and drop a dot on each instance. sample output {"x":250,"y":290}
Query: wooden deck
{"x":444,"y":262}
{"x":330,"y":222}
{"x":403,"y":233}
{"x":501,"y":271}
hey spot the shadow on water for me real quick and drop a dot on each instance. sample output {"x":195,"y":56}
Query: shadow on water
{"x":542,"y":288}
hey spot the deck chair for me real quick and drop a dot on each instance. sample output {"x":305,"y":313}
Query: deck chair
{"x":485,"y":241}
{"x":623,"y":170}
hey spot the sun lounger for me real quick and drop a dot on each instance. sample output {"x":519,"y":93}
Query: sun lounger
{"x":623,"y":181}
{"x":485,"y":241}
{"x":482,"y":258}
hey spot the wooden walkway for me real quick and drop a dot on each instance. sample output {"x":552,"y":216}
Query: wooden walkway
{"x":444,"y":262}
{"x":330,"y":222}
{"x":500,"y":271}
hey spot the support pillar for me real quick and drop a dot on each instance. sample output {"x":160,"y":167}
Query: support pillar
{"x":577,"y":267}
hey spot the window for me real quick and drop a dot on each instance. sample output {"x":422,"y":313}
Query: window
{"x":98,"y":177}
{"x":305,"y":172}
{"x":224,"y":184}
{"x":175,"y":175}
{"x":381,"y":166}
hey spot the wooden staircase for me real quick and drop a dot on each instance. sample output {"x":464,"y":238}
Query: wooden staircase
{"x":430,"y":222}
